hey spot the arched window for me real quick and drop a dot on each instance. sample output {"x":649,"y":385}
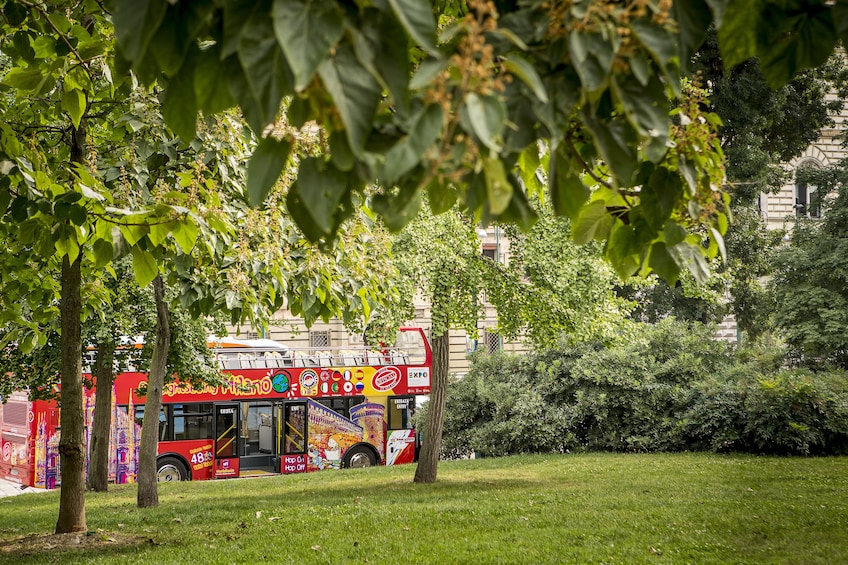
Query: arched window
{"x":807,"y":198}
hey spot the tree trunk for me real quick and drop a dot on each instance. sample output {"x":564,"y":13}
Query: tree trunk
{"x":98,"y":471}
{"x":71,"y":419}
{"x":148,"y":495}
{"x":428,"y":460}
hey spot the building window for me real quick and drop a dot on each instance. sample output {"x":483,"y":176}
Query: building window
{"x":807,"y":198}
{"x":490,"y":252}
{"x":319,"y":338}
{"x":252,"y":335}
{"x":493,"y":341}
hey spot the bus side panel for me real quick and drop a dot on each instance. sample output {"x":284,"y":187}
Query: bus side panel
{"x":197,"y":453}
{"x":17,"y":430}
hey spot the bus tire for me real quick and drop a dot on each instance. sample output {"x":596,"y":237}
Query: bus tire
{"x":171,"y":469}
{"x":359,"y":457}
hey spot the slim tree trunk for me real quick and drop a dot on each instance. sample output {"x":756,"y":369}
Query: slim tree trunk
{"x":428,"y":460}
{"x":98,"y":472}
{"x":148,"y":494}
{"x":71,"y":419}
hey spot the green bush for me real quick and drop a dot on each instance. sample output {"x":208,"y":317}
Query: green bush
{"x":674,"y":389}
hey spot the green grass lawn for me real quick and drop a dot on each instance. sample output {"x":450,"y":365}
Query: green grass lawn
{"x":596,"y":508}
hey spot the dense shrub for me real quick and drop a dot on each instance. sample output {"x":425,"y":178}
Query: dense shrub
{"x":673,"y":389}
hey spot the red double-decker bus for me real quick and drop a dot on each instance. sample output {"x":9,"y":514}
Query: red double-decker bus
{"x":283,"y":411}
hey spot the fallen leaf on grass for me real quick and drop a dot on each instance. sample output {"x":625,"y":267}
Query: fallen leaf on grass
{"x":316,"y":547}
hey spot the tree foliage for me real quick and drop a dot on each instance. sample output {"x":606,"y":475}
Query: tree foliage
{"x":455,"y":114}
{"x":811,"y":275}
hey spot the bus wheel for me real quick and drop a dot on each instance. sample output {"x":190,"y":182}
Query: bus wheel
{"x":171,"y":469}
{"x":360,"y":457}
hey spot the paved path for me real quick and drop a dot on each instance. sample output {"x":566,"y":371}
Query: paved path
{"x":8,"y":488}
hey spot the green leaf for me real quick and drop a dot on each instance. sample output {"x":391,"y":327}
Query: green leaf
{"x":442,"y":195}
{"x":144,"y":267}
{"x":646,"y":108}
{"x":320,"y":188}
{"x":519,"y":211}
{"x":159,"y":232}
{"x":417,"y":18}
{"x":179,"y":105}
{"x":568,"y":193}
{"x":805,"y":41}
{"x":265,"y":68}
{"x":407,"y":152}
{"x":487,"y":116}
{"x":265,"y":166}
{"x":659,"y":197}
{"x":693,"y":19}
{"x":134,"y":232}
{"x":528,"y":167}
{"x":307,"y":32}
{"x":692,"y":257}
{"x":102,"y":250}
{"x":355,"y":93}
{"x":593,"y":222}
{"x":617,"y":143}
{"x":620,"y":250}
{"x":185,"y":234}
{"x":26,"y":79}
{"x":737,"y":35}
{"x":211,"y":84}
{"x":498,"y":188}
{"x":73,"y":102}
{"x":659,"y":41}
{"x":662,"y":263}
{"x":519,"y":67}
{"x":136,"y":22}
{"x":399,"y":209}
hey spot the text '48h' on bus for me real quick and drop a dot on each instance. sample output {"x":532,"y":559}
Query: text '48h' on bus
{"x":283,"y":411}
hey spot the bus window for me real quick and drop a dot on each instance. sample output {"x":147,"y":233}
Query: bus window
{"x":192,"y":421}
{"x":341,"y":405}
{"x":401,"y":409}
{"x":295,"y":428}
{"x":138,"y":410}
{"x":410,"y":348}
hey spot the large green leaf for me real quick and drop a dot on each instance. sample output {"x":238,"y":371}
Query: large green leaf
{"x":593,"y":222}
{"x":136,"y":22}
{"x":417,"y":18}
{"x":399,"y":209}
{"x":307,"y":31}
{"x":73,"y":102}
{"x":804,"y":41}
{"x":321,"y":188}
{"x":144,"y":267}
{"x":662,"y":263}
{"x":179,"y":105}
{"x":498,"y":188}
{"x":211,"y":80}
{"x":646,"y":108}
{"x":487,"y":116}
{"x":737,"y":35}
{"x":407,"y":152}
{"x":177,"y":33}
{"x":355,"y":93}
{"x":659,"y":197}
{"x":185,"y":233}
{"x":265,"y":68}
{"x":568,"y":193}
{"x":519,"y":67}
{"x":693,"y":18}
{"x":24,"y":78}
{"x":265,"y":166}
{"x":385,"y":53}
{"x":617,"y":143}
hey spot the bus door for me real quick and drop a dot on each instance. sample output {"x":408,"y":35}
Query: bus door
{"x":401,"y":443}
{"x":290,"y":419}
{"x":226,"y":440}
